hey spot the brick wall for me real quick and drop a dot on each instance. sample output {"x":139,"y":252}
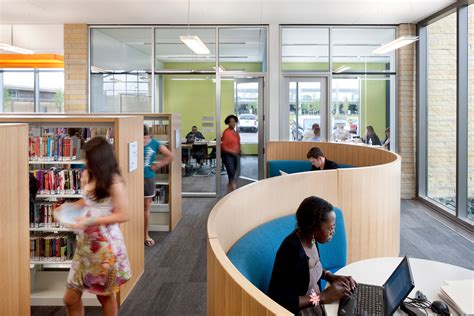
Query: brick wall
{"x":406,"y":83}
{"x":75,"y":67}
{"x":442,"y":109}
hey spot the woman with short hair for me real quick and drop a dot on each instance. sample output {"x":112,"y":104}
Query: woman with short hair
{"x":297,"y":271}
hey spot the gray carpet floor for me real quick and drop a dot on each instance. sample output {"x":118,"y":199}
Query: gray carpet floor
{"x":174,"y":282}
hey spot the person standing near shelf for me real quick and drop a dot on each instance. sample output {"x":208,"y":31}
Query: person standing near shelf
{"x":152,"y":147}
{"x":100,"y":263}
{"x":230,"y":150}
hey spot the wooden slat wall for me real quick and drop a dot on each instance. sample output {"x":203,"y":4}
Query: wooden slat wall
{"x":14,"y":223}
{"x":129,"y":129}
{"x":370,"y":200}
{"x":369,"y":196}
{"x":230,"y":293}
{"x":260,"y":202}
{"x":356,"y":155}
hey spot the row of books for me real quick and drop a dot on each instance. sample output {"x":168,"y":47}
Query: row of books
{"x":160,"y":195}
{"x":52,"y":247}
{"x":42,"y":215}
{"x":58,"y":144}
{"x":160,"y":129}
{"x":54,"y":147}
{"x":58,"y":181}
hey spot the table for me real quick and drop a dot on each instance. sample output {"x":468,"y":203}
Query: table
{"x":428,"y":276}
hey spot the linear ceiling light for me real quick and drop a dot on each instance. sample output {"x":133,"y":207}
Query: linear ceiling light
{"x":192,"y":41}
{"x":396,"y":44}
{"x":342,"y":69}
{"x":195,"y":44}
{"x":15,"y":49}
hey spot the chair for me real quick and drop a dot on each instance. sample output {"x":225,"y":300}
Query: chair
{"x":199,"y":152}
{"x":254,"y":254}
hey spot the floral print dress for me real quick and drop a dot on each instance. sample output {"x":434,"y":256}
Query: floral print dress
{"x":100,"y":264}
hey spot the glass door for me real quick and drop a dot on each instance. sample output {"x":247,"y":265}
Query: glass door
{"x":306,"y":110}
{"x":243,"y":97}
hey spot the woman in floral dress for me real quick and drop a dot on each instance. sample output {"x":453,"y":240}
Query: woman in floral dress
{"x":100,"y":264}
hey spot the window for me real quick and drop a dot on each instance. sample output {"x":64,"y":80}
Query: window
{"x":121,"y":67}
{"x":304,"y":49}
{"x":470,"y":183}
{"x":18,"y":90}
{"x":242,"y":49}
{"x":358,"y":102}
{"x":352,"y":50}
{"x":172,"y":54}
{"x":441,"y":112}
{"x":51,"y":94}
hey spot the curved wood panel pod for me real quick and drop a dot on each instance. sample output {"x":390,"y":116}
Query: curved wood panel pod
{"x":369,"y":197}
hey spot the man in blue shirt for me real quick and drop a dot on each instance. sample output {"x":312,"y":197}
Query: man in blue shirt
{"x":152,"y":147}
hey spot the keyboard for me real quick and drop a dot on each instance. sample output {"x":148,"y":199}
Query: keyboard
{"x":365,"y":300}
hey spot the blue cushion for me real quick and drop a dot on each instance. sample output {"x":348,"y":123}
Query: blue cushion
{"x":343,"y":166}
{"x":288,"y":166}
{"x":254,"y":254}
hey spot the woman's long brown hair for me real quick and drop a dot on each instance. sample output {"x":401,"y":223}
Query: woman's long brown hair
{"x":101,"y":165}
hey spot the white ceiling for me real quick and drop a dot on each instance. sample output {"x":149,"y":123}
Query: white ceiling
{"x":218,"y":11}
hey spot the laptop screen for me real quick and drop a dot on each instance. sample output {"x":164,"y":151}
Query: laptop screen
{"x":398,"y":286}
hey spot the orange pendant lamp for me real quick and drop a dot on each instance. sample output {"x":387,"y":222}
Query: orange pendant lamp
{"x":31,"y":61}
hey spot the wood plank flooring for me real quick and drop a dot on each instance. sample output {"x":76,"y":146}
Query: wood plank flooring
{"x":174,"y":282}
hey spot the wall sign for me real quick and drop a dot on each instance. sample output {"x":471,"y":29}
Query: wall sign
{"x":132,"y":156}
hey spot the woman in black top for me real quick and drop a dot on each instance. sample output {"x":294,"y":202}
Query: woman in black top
{"x":295,"y":281}
{"x":370,"y":135}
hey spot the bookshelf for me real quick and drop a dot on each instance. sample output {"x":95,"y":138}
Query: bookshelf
{"x":165,"y":210}
{"x":47,"y":275}
{"x":14,"y":276}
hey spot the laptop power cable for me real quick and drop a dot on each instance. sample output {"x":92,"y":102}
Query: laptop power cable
{"x":414,"y":306}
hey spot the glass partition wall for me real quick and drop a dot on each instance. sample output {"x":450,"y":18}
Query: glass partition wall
{"x":333,"y":79}
{"x":446,"y":113}
{"x":149,"y":69}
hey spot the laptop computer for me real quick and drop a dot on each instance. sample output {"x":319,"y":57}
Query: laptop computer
{"x":380,"y":300}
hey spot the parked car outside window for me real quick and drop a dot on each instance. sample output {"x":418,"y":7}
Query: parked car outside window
{"x":248,"y":122}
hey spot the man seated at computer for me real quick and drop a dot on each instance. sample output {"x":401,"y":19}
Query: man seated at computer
{"x":319,"y":161}
{"x":297,"y":271}
{"x":197,"y":152}
{"x":194,"y":135}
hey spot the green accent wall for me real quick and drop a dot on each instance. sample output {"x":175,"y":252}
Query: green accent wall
{"x":373,"y":106}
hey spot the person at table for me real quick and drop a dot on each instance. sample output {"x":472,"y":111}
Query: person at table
{"x":319,"y":161}
{"x":230,"y":150}
{"x":316,"y":134}
{"x":386,"y":141}
{"x":194,"y":135}
{"x":370,"y":137}
{"x":341,"y":134}
{"x":310,"y":134}
{"x":297,"y":271}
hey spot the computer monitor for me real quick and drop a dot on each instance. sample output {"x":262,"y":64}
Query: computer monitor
{"x":398,"y":286}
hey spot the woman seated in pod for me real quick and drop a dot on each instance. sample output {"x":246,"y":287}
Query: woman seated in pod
{"x":295,"y":281}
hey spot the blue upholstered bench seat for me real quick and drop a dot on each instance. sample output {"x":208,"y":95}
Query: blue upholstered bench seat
{"x":292,"y":166}
{"x":254,"y":254}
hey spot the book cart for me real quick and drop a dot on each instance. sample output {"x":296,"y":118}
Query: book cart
{"x":54,"y":156}
{"x":165,"y":210}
